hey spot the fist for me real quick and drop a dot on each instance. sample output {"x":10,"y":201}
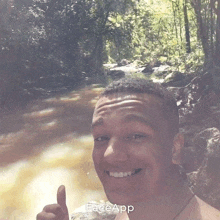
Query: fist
{"x":57,"y":211}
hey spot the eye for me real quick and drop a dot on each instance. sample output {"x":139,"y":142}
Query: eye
{"x":101,"y":138}
{"x":137,"y":137}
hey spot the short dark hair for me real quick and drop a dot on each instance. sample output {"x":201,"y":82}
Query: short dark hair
{"x":137,"y":85}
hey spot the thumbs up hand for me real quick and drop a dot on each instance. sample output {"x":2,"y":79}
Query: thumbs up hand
{"x":57,"y":211}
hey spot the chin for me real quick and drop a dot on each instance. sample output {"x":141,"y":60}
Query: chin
{"x":120,"y":199}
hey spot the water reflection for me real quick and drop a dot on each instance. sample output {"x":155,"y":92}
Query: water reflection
{"x":44,"y":146}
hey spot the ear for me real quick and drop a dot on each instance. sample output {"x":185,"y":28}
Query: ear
{"x":178,"y":144}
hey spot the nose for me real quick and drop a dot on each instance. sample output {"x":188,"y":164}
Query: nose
{"x":116,"y":152}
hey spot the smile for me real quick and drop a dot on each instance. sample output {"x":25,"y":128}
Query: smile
{"x":123,"y":174}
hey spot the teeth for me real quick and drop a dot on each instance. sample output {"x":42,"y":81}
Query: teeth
{"x":121,"y":174}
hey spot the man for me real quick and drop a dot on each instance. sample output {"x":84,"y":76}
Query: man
{"x":137,"y":150}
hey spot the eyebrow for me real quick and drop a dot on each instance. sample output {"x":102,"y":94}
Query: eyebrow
{"x":139,"y":118}
{"x":99,"y":122}
{"x":127,"y":118}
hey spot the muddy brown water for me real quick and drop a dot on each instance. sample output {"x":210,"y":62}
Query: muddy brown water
{"x":43,"y":146}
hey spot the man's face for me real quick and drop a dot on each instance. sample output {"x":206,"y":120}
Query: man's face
{"x":132,"y":147}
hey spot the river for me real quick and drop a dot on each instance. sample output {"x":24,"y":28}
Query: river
{"x":44,"y":145}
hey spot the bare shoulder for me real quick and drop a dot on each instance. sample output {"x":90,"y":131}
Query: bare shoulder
{"x":207,"y":210}
{"x":122,"y":216}
{"x":198,"y":209}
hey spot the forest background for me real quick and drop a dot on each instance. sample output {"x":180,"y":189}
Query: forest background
{"x":51,"y":46}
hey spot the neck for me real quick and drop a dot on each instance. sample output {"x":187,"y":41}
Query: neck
{"x":167,"y":206}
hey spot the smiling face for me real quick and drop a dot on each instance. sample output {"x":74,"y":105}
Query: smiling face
{"x":132,"y":147}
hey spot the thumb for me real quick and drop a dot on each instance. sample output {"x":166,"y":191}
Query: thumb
{"x":61,"y":200}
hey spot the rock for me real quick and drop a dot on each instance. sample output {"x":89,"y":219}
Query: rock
{"x":161,"y":70}
{"x":157,"y":63}
{"x":212,"y":137}
{"x":196,"y":110}
{"x":155,"y":66}
{"x":116,"y":74}
{"x":174,"y":76}
{"x":189,"y":159}
{"x":205,"y":181}
{"x":123,"y":62}
{"x":179,"y":94}
{"x":110,"y":65}
{"x":200,"y":123}
{"x":206,"y":144}
{"x":148,"y":70}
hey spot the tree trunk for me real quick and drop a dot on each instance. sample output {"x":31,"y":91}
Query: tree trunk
{"x":202,"y":31}
{"x":174,"y":20}
{"x":187,"y":33}
{"x":212,"y":31}
{"x":217,"y":43}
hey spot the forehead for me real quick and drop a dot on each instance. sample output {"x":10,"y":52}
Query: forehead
{"x":121,"y":103}
{"x":146,"y":99}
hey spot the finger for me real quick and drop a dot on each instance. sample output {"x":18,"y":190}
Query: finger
{"x":46,"y":216}
{"x":61,"y":198}
{"x":54,"y":208}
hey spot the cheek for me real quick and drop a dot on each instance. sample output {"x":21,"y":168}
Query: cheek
{"x":151,"y":154}
{"x":94,"y":156}
{"x":96,"y":162}
{"x":97,"y":156}
{"x":142,"y":156}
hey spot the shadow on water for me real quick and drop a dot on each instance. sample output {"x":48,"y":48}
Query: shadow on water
{"x":28,"y":131}
{"x":43,"y":146}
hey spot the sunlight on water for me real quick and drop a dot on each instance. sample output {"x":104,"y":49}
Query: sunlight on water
{"x":41,"y":113}
{"x":27,"y":186}
{"x":51,"y":149}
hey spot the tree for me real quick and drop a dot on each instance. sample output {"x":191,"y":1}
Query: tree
{"x":187,"y":33}
{"x":55,"y":43}
{"x":215,"y":6}
{"x":208,"y":35}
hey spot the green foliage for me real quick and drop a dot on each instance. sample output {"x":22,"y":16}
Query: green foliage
{"x":44,"y":41}
{"x":156,"y":31}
